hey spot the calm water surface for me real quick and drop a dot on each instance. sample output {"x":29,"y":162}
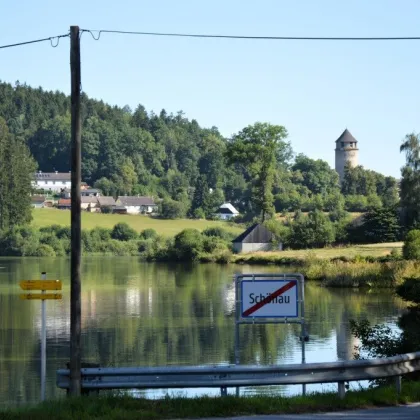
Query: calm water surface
{"x":152,"y":314}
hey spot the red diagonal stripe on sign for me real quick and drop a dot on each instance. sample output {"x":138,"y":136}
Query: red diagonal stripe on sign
{"x":269,"y":298}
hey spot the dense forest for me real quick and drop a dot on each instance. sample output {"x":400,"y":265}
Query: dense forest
{"x":173,"y":158}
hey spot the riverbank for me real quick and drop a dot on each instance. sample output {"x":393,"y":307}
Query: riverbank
{"x":112,"y":408}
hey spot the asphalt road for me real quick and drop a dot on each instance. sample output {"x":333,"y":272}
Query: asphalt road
{"x":403,"y":412}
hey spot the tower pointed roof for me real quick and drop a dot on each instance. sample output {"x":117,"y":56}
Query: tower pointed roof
{"x":346,"y":137}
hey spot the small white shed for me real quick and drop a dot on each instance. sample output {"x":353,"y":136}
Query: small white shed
{"x":226,"y":212}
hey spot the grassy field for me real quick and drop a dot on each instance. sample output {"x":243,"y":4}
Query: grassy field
{"x":374,"y":250}
{"x":112,"y":408}
{"x":47,"y":217}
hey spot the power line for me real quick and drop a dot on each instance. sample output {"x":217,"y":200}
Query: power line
{"x":54,"y":40}
{"x":273,"y":38}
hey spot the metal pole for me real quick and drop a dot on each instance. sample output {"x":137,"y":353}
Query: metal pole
{"x":303,"y":331}
{"x":43,"y":342}
{"x":237,"y":338}
{"x":75,"y":285}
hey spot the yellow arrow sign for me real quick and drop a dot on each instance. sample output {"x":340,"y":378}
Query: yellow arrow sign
{"x":45,"y":296}
{"x":41,"y":285}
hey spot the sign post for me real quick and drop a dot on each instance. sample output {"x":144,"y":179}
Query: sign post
{"x":42,"y":285}
{"x":270,"y":299}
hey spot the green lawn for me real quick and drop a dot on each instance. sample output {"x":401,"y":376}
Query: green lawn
{"x":46,"y":217}
{"x":374,"y":250}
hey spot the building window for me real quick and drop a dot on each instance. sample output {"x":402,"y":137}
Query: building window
{"x":342,"y":144}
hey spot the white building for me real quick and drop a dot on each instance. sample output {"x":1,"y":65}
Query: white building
{"x":137,"y":204}
{"x":51,"y":181}
{"x":226,"y":212}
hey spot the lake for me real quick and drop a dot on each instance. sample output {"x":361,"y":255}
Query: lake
{"x":158,"y":314}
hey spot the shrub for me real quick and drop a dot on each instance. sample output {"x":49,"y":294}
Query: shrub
{"x":123,"y":232}
{"x":148,"y":234}
{"x":172,"y":209}
{"x":118,"y":248}
{"x":188,"y":244}
{"x":88,"y":244}
{"x":214,"y":244}
{"x":411,"y":248}
{"x":199,"y":213}
{"x":100,"y":234}
{"x":312,"y":231}
{"x":19,"y":241}
{"x":44,"y":250}
{"x":410,"y":290}
{"x":52,"y":229}
{"x":64,"y":232}
{"x":218,"y":232}
{"x":55,"y":243}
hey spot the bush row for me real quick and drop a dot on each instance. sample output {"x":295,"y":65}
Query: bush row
{"x":122,"y":240}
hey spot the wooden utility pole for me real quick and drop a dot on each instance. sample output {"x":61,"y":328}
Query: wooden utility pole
{"x":75,"y":286}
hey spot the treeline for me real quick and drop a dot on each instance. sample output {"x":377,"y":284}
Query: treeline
{"x":313,"y":230}
{"x":193,"y":169}
{"x":121,"y":240}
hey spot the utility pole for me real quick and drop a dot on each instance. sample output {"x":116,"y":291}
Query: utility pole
{"x":75,"y":286}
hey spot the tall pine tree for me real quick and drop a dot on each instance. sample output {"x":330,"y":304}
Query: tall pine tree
{"x":16,"y":171}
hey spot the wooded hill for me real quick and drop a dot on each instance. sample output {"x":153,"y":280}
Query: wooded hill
{"x":170,"y":156}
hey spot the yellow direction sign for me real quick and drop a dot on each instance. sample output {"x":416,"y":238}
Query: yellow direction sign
{"x":41,"y":285}
{"x":44,"y":296}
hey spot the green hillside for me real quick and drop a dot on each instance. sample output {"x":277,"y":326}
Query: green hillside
{"x":47,"y":217}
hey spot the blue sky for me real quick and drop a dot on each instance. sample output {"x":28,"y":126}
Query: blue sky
{"x":314,"y":89}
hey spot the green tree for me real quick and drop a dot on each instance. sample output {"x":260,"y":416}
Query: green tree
{"x":316,"y":175}
{"x":188,"y":244}
{"x":15,"y":179}
{"x":123,"y":232}
{"x":356,"y":203}
{"x":410,"y":182}
{"x":260,"y":149}
{"x":172,"y":209}
{"x":381,"y":225}
{"x":312,"y":231}
{"x":201,"y":195}
{"x":411,"y":248}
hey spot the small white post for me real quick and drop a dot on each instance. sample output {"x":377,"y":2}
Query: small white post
{"x":341,"y":390}
{"x":43,"y":342}
{"x":398,"y":384}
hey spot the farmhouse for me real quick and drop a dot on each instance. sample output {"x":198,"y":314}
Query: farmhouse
{"x":89,"y":203}
{"x":256,"y":238}
{"x":51,"y":181}
{"x":226,"y":212}
{"x":137,"y":204}
{"x":64,"y":204}
{"x":105,"y":202}
{"x":90,"y":192}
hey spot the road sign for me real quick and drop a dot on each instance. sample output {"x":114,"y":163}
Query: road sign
{"x":40,"y":285}
{"x":44,"y":296}
{"x":269,"y":298}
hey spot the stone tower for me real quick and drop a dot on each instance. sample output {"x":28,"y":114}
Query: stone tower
{"x":346,"y":151}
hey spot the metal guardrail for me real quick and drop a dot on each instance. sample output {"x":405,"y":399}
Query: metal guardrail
{"x":242,"y":376}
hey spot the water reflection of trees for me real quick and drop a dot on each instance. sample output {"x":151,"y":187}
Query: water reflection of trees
{"x":137,"y":314}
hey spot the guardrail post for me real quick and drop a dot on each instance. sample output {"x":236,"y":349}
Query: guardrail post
{"x":341,"y":390}
{"x":398,"y":384}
